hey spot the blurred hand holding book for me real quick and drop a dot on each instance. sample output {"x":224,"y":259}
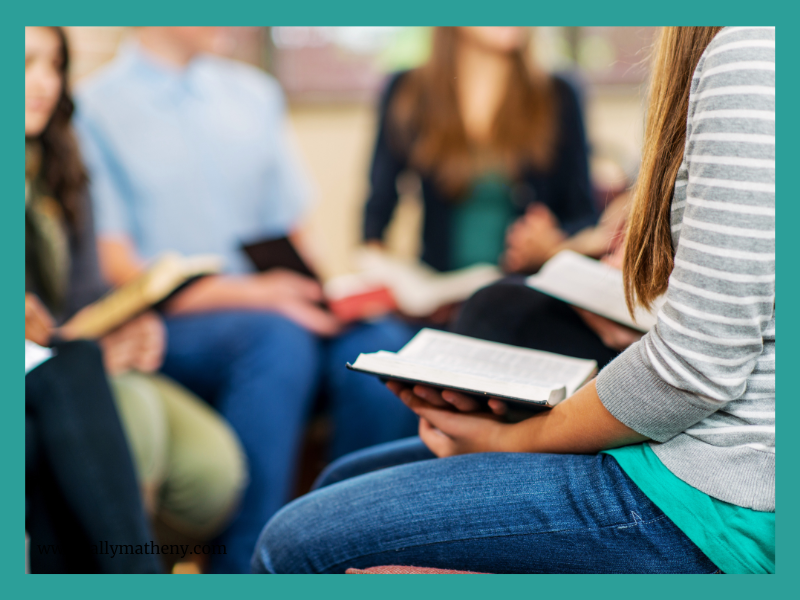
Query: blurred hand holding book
{"x":169,"y":274}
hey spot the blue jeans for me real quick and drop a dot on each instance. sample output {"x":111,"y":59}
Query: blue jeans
{"x":497,"y":513}
{"x":262,"y":372}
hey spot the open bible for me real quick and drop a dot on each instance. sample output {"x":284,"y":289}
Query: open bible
{"x":477,"y":367}
{"x":588,"y":283}
{"x":386,"y":283}
{"x":420,"y":289}
{"x":167,"y":275}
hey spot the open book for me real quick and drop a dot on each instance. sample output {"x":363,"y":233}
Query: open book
{"x":488,"y":369}
{"x":416,"y":289}
{"x":349,"y":297}
{"x":35,"y":355}
{"x":167,"y":275}
{"x":593,"y":285}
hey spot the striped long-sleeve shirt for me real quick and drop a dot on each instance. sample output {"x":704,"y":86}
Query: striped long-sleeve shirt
{"x":702,"y":382}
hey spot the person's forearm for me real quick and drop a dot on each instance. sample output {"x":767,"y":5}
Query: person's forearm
{"x":592,"y":241}
{"x":119,"y":261}
{"x":217,"y":292}
{"x":597,"y":240}
{"x":578,"y":425}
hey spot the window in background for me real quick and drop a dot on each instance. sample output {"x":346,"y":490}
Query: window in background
{"x":92,"y":47}
{"x":350,"y":63}
{"x":343,"y":63}
{"x":614,"y":55}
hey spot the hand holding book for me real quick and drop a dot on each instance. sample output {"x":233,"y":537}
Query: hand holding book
{"x":594,"y":286}
{"x":39,"y":323}
{"x":296,"y":296}
{"x":450,"y":399}
{"x":527,"y":378}
{"x":612,"y":334}
{"x":449,"y":432}
{"x":165,"y":278}
{"x":579,"y":425}
{"x":138,"y":344}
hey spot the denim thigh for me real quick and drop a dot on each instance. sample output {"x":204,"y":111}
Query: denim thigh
{"x":261,"y":371}
{"x":364,"y":461}
{"x":363,"y":411}
{"x":496,"y":513}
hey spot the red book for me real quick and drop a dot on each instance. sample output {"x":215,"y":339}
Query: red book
{"x":352,"y":298}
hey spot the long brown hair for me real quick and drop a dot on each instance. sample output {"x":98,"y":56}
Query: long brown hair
{"x":425,"y":118}
{"x":648,"y":259}
{"x":62,"y":169}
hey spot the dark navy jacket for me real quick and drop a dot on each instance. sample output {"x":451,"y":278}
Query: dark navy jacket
{"x":565,"y":189}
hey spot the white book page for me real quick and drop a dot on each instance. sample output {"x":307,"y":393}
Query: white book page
{"x":590,"y":284}
{"x":35,"y":355}
{"x":391,"y":365}
{"x":418,"y":289}
{"x":469,"y":356}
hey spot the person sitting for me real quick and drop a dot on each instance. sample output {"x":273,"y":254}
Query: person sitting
{"x":665,"y":463}
{"x":189,"y":462}
{"x":490,"y":136}
{"x":189,"y":151}
{"x":80,"y":484}
{"x":510,"y":312}
{"x":536,"y":237}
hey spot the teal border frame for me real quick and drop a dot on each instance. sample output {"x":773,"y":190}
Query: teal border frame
{"x":360,"y":12}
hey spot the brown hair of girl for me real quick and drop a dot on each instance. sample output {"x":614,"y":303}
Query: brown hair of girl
{"x":62,"y":169}
{"x":649,"y":253}
{"x":425,"y":118}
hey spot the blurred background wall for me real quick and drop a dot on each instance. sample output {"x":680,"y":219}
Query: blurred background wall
{"x":333,"y":75}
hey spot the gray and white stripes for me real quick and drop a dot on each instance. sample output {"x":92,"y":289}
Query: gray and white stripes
{"x":711,"y":358}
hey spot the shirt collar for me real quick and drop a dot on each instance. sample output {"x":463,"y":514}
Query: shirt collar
{"x":156,"y":71}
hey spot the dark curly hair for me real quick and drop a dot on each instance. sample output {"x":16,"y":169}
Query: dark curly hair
{"x":62,"y":169}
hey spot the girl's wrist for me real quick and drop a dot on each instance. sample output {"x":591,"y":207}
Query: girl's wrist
{"x":522,"y":436}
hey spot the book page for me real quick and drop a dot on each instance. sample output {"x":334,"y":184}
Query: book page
{"x":123,"y":303}
{"x":35,"y":355}
{"x":419,"y":289}
{"x":590,"y":284}
{"x":469,"y":356}
{"x":391,"y":366}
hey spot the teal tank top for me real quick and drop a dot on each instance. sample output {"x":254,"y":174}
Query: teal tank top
{"x":480,"y":222}
{"x":736,"y":539}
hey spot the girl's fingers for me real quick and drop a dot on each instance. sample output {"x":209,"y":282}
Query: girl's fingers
{"x":461,"y":401}
{"x":36,"y":332}
{"x":411,"y":400}
{"x":430,"y":395}
{"x":449,"y":422}
{"x":395,"y":387}
{"x":498,"y":407}
{"x":436,"y":441}
{"x":414,"y":402}
{"x":420,"y":397}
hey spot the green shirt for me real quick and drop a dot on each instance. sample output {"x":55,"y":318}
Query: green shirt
{"x":736,"y":539}
{"x":480,"y":222}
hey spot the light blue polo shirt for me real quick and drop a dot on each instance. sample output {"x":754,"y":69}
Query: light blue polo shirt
{"x":193,"y":159}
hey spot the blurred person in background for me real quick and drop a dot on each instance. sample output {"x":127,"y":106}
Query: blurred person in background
{"x":510,"y":312}
{"x":189,"y":151}
{"x":495,"y":141}
{"x":501,"y":151}
{"x":189,"y":463}
{"x":80,"y":483}
{"x":536,"y":237}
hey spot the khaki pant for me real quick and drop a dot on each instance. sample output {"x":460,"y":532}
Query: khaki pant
{"x":188,"y":459}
